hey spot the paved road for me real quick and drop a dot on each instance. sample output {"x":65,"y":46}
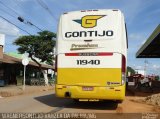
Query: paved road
{"x":47,"y":102}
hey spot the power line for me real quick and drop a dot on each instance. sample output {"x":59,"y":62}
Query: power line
{"x":9,"y":8}
{"x":28,"y":22}
{"x":8,"y":13}
{"x":34,"y":25}
{"x":42,"y":4}
{"x":15,"y":25}
{"x":21,"y":18}
{"x":18,"y":4}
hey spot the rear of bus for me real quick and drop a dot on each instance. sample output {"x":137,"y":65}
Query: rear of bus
{"x":91,"y":55}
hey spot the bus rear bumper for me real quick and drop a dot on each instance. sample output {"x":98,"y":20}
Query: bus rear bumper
{"x":100,"y":93}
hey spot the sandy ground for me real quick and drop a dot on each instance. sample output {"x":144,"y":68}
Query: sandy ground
{"x":14,"y":90}
{"x":46,"y":101}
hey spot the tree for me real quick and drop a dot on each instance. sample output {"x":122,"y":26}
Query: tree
{"x":39,"y":47}
{"x":131,"y":70}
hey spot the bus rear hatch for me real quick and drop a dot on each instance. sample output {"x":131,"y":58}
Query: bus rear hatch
{"x":90,"y":69}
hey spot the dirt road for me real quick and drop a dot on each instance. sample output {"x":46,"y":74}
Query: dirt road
{"x":48,"y":102}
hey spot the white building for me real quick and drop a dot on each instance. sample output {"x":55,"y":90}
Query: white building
{"x":2,"y":43}
{"x":140,"y":71}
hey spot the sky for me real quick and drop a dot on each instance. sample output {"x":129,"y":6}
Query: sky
{"x":141,"y":16}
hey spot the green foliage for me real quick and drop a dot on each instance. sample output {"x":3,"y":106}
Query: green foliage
{"x":131,"y":70}
{"x":38,"y":46}
{"x":157,"y":78}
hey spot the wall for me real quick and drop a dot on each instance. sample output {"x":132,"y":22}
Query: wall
{"x":1,"y":52}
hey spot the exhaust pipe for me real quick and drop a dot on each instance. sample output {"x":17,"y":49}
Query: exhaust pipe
{"x":67,"y":94}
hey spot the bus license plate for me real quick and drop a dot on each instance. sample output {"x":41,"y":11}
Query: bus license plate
{"x":87,"y":88}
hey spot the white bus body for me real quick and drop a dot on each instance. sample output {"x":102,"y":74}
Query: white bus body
{"x":91,"y":55}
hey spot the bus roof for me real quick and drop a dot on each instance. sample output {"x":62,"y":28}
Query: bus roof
{"x":92,"y":10}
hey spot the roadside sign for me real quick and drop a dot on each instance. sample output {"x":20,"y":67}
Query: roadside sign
{"x":25,"y":61}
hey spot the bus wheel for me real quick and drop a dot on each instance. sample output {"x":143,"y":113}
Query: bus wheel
{"x":76,"y":100}
{"x":119,"y":101}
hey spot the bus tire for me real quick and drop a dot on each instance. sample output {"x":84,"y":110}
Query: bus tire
{"x":119,"y":101}
{"x":76,"y":100}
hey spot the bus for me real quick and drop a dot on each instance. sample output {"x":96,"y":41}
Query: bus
{"x":91,"y":55}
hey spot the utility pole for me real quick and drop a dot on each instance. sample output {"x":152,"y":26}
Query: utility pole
{"x":145,"y":67}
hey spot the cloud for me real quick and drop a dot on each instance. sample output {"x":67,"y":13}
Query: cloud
{"x":155,"y":67}
{"x":139,"y":67}
{"x":8,"y":29}
{"x":136,"y":9}
{"x":135,"y":36}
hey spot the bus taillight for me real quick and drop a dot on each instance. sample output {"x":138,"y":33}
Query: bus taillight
{"x":123,"y":69}
{"x":56,"y":62}
{"x":123,"y":64}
